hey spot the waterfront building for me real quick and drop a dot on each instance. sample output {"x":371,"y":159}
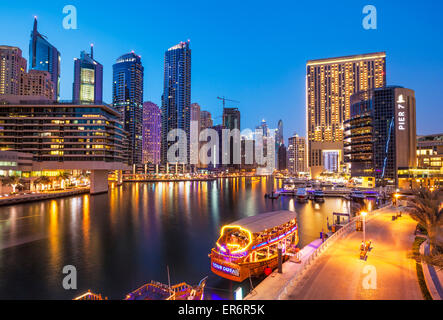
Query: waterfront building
{"x":176,"y":99}
{"x":330,"y":83}
{"x":296,"y":155}
{"x":12,"y":67}
{"x":127,"y":92}
{"x":205,"y":120}
{"x":44,"y":56}
{"x":88,"y":79}
{"x":151,"y":133}
{"x":66,"y":136}
{"x":380,"y":136}
{"x":430,"y":151}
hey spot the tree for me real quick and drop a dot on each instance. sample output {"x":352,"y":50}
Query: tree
{"x":427,"y":209}
{"x":12,"y":181}
{"x":62,"y":176}
{"x":43,"y":180}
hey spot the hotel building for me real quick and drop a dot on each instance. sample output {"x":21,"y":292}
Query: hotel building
{"x":380,"y":136}
{"x":66,"y":136}
{"x":330,"y":83}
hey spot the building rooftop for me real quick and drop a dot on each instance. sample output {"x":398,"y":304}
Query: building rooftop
{"x":345,"y":59}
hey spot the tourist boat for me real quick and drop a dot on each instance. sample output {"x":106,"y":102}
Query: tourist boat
{"x":288,"y":187}
{"x":158,"y":291}
{"x":302,"y":194}
{"x":248,"y":247}
{"x":319,"y":196}
{"x":357,"y":195}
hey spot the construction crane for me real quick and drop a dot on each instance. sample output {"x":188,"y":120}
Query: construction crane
{"x":224,"y":101}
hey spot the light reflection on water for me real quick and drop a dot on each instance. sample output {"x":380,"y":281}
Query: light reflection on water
{"x":128,"y":237}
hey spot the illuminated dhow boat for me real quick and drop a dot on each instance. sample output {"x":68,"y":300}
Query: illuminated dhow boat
{"x":159,"y":291}
{"x":249,"y":246}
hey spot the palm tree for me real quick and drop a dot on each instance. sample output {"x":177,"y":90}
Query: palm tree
{"x":43,"y":180}
{"x":427,"y":209}
{"x":62,"y":176}
{"x":12,"y":181}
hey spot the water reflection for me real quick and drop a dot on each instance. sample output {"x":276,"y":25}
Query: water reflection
{"x":121,"y":240}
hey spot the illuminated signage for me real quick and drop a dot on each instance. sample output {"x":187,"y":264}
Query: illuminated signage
{"x":401,"y":113}
{"x":225,"y":269}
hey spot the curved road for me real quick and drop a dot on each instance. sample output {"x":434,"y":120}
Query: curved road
{"x":340,"y":275}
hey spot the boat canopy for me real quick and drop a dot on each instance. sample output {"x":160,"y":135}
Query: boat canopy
{"x":264,"y":221}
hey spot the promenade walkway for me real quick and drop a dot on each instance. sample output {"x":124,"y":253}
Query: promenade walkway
{"x":339,"y":274}
{"x":23,"y":198}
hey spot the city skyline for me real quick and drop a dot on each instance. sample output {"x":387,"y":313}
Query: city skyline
{"x":284,"y":84}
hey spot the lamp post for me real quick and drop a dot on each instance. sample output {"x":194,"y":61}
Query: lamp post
{"x":363,"y":214}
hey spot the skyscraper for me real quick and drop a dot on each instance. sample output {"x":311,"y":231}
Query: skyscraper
{"x":381,"y":134}
{"x":45,"y":57}
{"x":231,"y":118}
{"x":176,"y":99}
{"x":127,"y":91}
{"x":12,"y":67}
{"x":88,"y":79}
{"x":205,"y":120}
{"x":297,"y":154}
{"x":279,"y":139}
{"x":151,"y":133}
{"x":330,"y":85}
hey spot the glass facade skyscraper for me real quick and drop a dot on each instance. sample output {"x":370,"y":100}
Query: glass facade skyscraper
{"x":176,"y":99}
{"x":44,"y":57}
{"x":127,"y":92}
{"x":88,"y":79}
{"x":381,"y":134}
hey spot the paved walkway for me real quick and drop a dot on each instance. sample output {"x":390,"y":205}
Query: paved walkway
{"x":339,"y":273}
{"x":269,"y":288}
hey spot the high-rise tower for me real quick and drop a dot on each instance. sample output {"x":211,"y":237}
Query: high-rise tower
{"x":176,"y":99}
{"x":330,"y":83}
{"x":45,"y":57}
{"x":88,"y":79}
{"x":127,"y":92}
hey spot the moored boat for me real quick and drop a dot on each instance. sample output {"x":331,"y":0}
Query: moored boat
{"x":319,"y":196}
{"x":158,"y":291}
{"x":302,"y":195}
{"x":249,"y":246}
{"x":357,"y":195}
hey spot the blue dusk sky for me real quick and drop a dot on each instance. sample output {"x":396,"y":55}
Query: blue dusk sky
{"x":251,"y":51}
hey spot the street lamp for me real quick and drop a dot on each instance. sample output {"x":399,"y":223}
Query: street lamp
{"x":363,"y":214}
